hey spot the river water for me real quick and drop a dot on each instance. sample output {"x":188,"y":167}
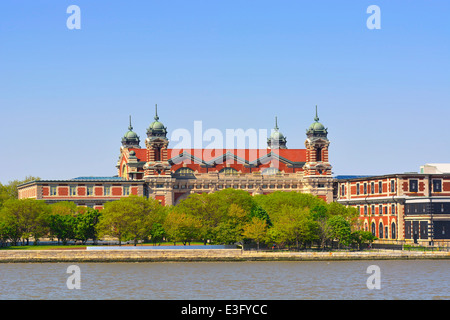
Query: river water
{"x":409,"y":279}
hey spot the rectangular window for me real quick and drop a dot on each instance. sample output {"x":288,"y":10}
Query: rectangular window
{"x":380,"y":187}
{"x":90,"y":191}
{"x":413,"y":185}
{"x":107,"y":191}
{"x":357,"y":189}
{"x":73,"y":190}
{"x":373,"y":209}
{"x":385,"y":210}
{"x":380,"y":209}
{"x":393,"y":209}
{"x":437,"y":185}
{"x":53,"y":191}
{"x":343,"y":190}
{"x":126,"y":191}
{"x":365,"y":210}
{"x":365,"y":188}
{"x":392,"y":185}
{"x":372,"y":188}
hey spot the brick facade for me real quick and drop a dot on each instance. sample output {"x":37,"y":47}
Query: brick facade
{"x":170,"y":175}
{"x":400,"y":206}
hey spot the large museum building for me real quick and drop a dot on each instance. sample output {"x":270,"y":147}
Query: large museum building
{"x":412,"y":207}
{"x":171,"y":175}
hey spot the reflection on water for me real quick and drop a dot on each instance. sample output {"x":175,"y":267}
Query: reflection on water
{"x":420,"y":279}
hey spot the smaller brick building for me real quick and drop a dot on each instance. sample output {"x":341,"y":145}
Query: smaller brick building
{"x":410,"y":206}
{"x":91,"y":192}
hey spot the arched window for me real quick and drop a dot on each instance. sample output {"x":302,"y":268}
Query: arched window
{"x":229,"y":171}
{"x":380,"y":230}
{"x":393,"y":230}
{"x":373,"y":229}
{"x":184,"y":173}
{"x":319,"y":154}
{"x":124,"y":172}
{"x":270,"y":171}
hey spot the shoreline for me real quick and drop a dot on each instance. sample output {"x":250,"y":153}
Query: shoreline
{"x":213,"y":255}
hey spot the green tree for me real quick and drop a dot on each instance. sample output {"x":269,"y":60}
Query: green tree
{"x":273,"y":202}
{"x":340,"y":229}
{"x":24,"y":219}
{"x":207,"y":209}
{"x":62,"y":227}
{"x":112,"y":222}
{"x":213,"y":209}
{"x":129,"y":218}
{"x":230,"y":229}
{"x":258,"y":212}
{"x":256,"y":230}
{"x":4,"y":195}
{"x":62,"y":221}
{"x":181,"y":226}
{"x":157,"y":233}
{"x":294,"y":225}
{"x":360,"y":238}
{"x":9,"y":224}
{"x":86,"y":221}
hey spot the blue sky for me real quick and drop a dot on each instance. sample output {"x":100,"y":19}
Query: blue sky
{"x":65,"y":95}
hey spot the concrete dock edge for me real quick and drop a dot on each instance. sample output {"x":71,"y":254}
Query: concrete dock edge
{"x":82,"y":256}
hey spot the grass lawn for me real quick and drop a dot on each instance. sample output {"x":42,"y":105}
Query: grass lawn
{"x":45,"y":247}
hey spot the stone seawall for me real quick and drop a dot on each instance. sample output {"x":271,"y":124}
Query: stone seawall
{"x":80,"y":256}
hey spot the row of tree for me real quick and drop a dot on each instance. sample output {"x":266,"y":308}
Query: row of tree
{"x":226,"y":217}
{"x":22,"y":220}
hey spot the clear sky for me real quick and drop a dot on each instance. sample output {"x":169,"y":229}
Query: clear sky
{"x":65,"y":95}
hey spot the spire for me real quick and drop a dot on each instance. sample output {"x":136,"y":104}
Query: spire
{"x":276,"y":124}
{"x":130,"y":128}
{"x":316,"y":119}
{"x":156,"y":112}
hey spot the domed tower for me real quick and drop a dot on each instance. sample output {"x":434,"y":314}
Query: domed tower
{"x":156,"y":129}
{"x":156,"y":143}
{"x":131,"y":139}
{"x":317,"y":169}
{"x":277,"y":140}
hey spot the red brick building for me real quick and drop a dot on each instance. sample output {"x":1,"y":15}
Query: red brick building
{"x":170,"y":175}
{"x":411,"y":206}
{"x":91,"y":192}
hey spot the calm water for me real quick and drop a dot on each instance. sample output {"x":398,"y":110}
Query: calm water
{"x":232,"y":281}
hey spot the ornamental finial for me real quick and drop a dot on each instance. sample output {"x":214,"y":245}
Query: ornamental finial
{"x":156,"y":112}
{"x":317,"y":116}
